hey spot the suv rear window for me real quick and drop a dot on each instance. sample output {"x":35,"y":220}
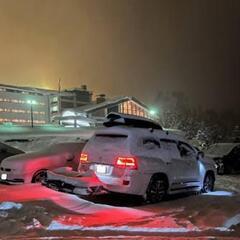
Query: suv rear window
{"x":116,"y":139}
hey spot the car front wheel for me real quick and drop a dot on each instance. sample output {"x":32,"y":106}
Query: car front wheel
{"x":39,"y":176}
{"x":208,"y":183}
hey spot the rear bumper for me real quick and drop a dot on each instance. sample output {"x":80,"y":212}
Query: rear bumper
{"x":89,"y":183}
{"x":73,"y":182}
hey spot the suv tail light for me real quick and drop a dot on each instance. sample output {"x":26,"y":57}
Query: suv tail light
{"x":126,"y":162}
{"x":83,"y":158}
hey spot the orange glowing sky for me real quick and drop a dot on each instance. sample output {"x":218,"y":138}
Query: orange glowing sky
{"x":124,"y":47}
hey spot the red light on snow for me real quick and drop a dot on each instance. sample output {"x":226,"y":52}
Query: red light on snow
{"x":126,"y":162}
{"x":83,"y":157}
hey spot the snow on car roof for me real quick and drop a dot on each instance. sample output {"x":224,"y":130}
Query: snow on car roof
{"x":116,"y":119}
{"x":137,"y":132}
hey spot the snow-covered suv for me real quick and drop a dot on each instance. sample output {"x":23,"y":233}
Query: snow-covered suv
{"x":136,"y":160}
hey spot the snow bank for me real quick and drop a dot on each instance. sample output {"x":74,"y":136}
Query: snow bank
{"x":219,"y":193}
{"x":232,"y":221}
{"x":10,"y":205}
{"x":55,"y":225}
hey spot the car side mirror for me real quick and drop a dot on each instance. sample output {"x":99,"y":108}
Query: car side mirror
{"x":200,"y":154}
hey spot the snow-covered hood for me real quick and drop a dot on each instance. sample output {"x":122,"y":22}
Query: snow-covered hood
{"x":21,"y":160}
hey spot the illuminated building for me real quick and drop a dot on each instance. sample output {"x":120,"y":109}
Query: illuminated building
{"x":15,"y":104}
{"x":71,"y":107}
{"x":97,"y":111}
{"x":69,"y":98}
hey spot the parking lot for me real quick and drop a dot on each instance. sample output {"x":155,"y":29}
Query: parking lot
{"x":45,"y":212}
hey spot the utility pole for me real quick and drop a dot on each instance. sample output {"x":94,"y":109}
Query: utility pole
{"x":31,"y":103}
{"x":31,"y":115}
{"x":59,"y":99}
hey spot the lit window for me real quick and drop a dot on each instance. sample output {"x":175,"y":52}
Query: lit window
{"x":55,"y":108}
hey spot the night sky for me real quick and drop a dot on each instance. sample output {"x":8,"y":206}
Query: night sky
{"x":125,"y":47}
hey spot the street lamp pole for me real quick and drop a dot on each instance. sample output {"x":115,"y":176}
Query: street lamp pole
{"x":31,"y":115}
{"x":31,"y":102}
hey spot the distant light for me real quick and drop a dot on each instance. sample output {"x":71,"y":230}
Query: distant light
{"x":32,"y":102}
{"x":152,"y":112}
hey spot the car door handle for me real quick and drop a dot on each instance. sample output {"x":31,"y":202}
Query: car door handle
{"x":168,"y":163}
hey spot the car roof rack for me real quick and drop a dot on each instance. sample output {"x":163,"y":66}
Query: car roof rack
{"x":118,"y":119}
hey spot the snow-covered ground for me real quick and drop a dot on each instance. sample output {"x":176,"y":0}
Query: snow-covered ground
{"x":36,"y":212}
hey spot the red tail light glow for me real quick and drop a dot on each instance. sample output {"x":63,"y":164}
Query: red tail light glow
{"x":83,"y":158}
{"x":126,"y":162}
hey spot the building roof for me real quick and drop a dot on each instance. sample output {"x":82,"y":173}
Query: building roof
{"x":107,"y":103}
{"x":28,"y":89}
{"x":42,"y":91}
{"x":221,"y":149}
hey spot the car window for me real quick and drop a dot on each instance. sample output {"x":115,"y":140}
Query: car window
{"x":117,"y":140}
{"x":186,"y":150}
{"x":150,"y":143}
{"x":171,"y":147}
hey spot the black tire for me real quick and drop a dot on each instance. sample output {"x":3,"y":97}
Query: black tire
{"x":157,"y":189}
{"x":39,"y":176}
{"x":208,"y":183}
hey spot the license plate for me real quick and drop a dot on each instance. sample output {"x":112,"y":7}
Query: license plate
{"x":101,"y":169}
{"x":4,"y":176}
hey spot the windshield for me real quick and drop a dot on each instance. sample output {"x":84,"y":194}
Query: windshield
{"x":219,"y":149}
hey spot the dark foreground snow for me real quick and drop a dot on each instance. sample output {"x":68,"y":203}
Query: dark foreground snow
{"x":36,"y":212}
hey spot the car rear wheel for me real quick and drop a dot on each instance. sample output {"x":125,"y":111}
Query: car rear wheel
{"x":39,"y":176}
{"x":208,"y":183}
{"x":156,"y":190}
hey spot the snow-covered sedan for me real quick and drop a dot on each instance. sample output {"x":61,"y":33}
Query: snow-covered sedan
{"x":7,"y":151}
{"x":32,"y":167}
{"x":135,"y":156}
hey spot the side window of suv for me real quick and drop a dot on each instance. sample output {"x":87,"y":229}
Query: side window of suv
{"x":150,"y":143}
{"x":170,"y":146}
{"x":185,"y":150}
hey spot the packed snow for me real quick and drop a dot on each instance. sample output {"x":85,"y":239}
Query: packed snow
{"x":34,"y":208}
{"x":10,"y":205}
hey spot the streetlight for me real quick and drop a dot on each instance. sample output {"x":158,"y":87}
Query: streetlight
{"x":152,"y":112}
{"x":31,"y":102}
